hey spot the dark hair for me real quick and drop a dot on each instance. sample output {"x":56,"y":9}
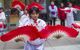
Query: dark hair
{"x":14,"y":11}
{"x":34,"y":9}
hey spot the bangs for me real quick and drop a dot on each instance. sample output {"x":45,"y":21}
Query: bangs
{"x":14,"y":11}
{"x":34,"y":9}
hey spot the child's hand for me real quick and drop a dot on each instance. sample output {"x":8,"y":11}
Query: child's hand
{"x":58,"y":36}
{"x":19,"y":39}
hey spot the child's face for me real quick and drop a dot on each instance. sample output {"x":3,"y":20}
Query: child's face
{"x":25,"y":11}
{"x":34,"y":15}
{"x":62,"y":5}
{"x":52,"y":3}
{"x":70,"y":5}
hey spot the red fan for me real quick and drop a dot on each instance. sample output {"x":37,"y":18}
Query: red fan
{"x":18,"y":4}
{"x":33,"y":33}
{"x":51,"y":30}
{"x":35,"y":4}
{"x":29,"y":31}
{"x":76,"y":25}
{"x":69,"y":3}
{"x":76,"y":6}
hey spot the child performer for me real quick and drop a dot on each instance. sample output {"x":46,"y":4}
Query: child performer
{"x":69,"y":14}
{"x":34,"y":10}
{"x":2,"y":18}
{"x":53,"y":13}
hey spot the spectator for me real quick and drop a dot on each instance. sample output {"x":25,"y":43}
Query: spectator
{"x":53,"y":13}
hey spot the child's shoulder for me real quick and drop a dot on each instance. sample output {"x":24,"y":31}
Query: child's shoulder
{"x":41,"y":21}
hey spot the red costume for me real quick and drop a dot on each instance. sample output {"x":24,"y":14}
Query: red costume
{"x":61,"y":14}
